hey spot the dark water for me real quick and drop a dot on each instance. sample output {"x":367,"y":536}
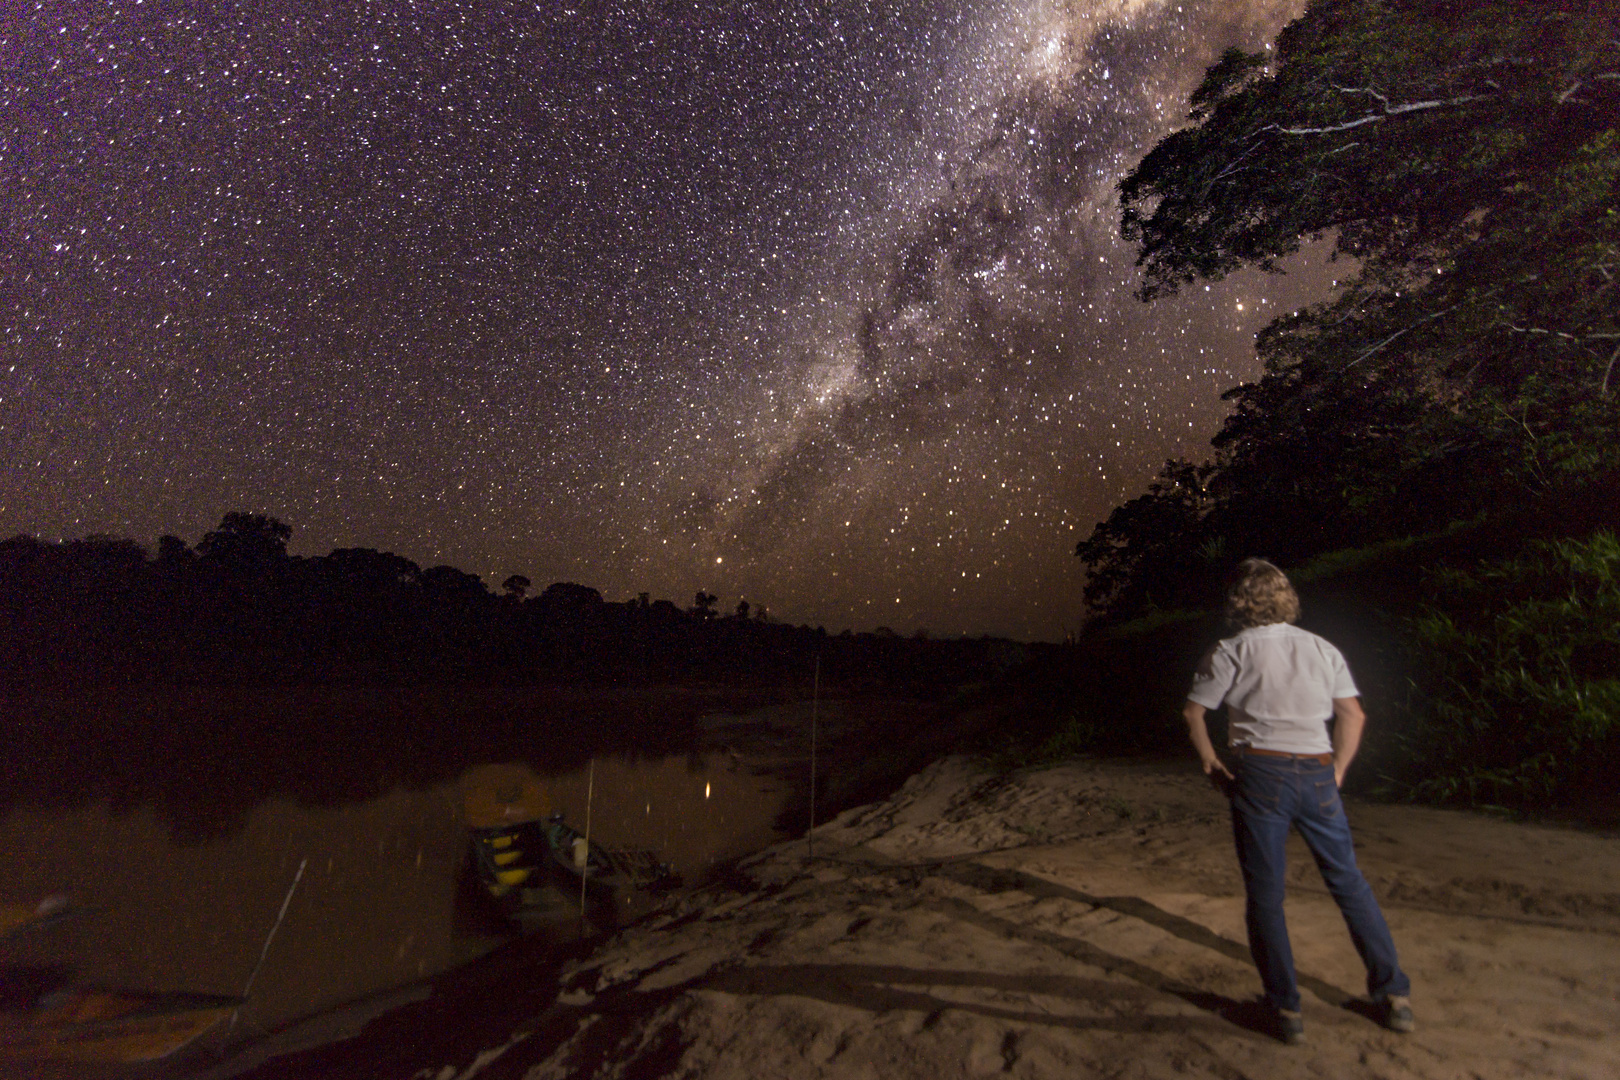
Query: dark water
{"x":380,"y":901}
{"x":383,"y":899}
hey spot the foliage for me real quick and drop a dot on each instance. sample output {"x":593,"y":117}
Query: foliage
{"x":1131,"y":556}
{"x":1333,"y":563}
{"x":1490,"y":667}
{"x":1464,"y":157}
{"x":1115,"y":692}
{"x":246,"y":539}
{"x":1408,"y":128}
{"x":1516,"y":679}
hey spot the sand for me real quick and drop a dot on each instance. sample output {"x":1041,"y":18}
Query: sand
{"x":1087,"y":920}
{"x":1077,"y":921}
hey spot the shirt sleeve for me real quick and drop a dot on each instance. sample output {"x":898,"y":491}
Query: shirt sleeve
{"x":1214,"y":676}
{"x":1343,"y":685}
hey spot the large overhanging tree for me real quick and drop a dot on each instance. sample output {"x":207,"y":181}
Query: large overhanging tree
{"x":1463,"y":158}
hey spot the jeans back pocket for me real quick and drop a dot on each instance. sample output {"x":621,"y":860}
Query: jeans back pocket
{"x":1328,"y":804}
{"x":1260,"y":789}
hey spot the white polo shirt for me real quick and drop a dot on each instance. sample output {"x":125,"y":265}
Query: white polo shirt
{"x":1278,"y":683}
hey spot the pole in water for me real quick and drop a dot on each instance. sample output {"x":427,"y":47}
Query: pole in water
{"x":815,"y":700}
{"x":285,"y":901}
{"x":585,"y":863}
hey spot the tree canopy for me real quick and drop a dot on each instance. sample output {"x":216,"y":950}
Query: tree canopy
{"x":1462,"y":157}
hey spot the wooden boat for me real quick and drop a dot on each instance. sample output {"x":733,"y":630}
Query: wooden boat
{"x":44,"y":1019}
{"x":15,"y":918}
{"x":532,"y":861}
{"x":94,"y":1024}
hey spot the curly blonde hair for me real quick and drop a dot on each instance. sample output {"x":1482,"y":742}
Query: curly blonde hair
{"x":1261,"y":595}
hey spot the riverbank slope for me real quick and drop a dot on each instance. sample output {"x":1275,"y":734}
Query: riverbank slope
{"x":1071,"y":921}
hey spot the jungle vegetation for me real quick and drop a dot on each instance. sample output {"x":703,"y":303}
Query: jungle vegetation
{"x":1441,"y":434}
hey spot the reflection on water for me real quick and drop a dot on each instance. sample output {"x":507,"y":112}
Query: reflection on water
{"x":378,"y":903}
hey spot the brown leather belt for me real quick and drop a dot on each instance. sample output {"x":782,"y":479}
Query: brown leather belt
{"x":1320,"y":759}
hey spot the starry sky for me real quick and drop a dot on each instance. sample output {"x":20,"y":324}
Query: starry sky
{"x":821,"y":305}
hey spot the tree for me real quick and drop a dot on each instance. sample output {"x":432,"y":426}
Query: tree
{"x":516,"y":587}
{"x":375,"y":570}
{"x":1409,"y":128}
{"x":246,"y":540}
{"x":447,"y":582}
{"x":1464,"y":154}
{"x":567,"y":596}
{"x":1135,"y":558}
{"x":173,"y":552}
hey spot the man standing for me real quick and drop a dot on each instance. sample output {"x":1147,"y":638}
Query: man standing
{"x":1280,"y":684}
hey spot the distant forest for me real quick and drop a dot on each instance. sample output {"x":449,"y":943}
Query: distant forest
{"x":239,"y":608}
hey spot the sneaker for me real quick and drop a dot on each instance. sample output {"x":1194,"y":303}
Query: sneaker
{"x":1398,"y":1014}
{"x":1290,"y":1026}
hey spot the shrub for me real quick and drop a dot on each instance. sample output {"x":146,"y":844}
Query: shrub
{"x":1515,"y":692}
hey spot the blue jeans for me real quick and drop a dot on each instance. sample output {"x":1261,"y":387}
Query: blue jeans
{"x":1273,"y":794}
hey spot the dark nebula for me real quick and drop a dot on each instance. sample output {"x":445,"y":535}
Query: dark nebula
{"x":821,"y":305}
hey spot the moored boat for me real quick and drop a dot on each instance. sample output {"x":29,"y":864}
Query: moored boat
{"x":96,"y":1024}
{"x":534,"y":863}
{"x":44,"y":1018}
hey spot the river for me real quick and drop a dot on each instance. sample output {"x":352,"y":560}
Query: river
{"x":377,"y":892}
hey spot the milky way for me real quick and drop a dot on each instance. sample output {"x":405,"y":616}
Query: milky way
{"x":821,"y":305}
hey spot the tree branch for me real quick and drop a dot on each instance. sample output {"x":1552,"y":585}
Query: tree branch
{"x":1608,"y":370}
{"x":1570,"y":91}
{"x":1382,"y":99}
{"x":1373,"y":118}
{"x":1396,"y":334}
{"x":1563,"y":334}
{"x":1232,"y":167}
{"x":1387,"y":110}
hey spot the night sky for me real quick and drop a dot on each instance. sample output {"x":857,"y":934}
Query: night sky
{"x":820,"y":305}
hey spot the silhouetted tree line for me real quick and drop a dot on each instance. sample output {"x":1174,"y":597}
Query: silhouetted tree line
{"x":238,"y":607}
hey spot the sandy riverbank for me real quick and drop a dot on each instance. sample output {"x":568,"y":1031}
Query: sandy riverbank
{"x":1084,"y":920}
